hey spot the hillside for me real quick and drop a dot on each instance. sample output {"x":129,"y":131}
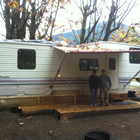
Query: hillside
{"x":70,"y":36}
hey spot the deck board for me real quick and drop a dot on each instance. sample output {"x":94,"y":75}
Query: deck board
{"x":77,"y":111}
{"x":71,"y":111}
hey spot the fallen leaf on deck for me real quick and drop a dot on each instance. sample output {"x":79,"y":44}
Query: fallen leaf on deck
{"x":29,"y":117}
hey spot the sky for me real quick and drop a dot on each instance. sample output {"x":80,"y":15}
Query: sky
{"x":74,"y":13}
{"x":134,"y":16}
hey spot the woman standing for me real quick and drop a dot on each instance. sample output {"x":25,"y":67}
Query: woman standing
{"x":93,"y":85}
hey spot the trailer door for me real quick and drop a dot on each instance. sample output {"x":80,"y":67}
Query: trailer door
{"x":111,"y":66}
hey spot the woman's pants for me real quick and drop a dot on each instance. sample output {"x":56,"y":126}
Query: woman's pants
{"x":94,"y":95}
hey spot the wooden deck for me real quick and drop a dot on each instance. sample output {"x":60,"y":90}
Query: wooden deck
{"x":71,"y":111}
{"x":55,"y":98}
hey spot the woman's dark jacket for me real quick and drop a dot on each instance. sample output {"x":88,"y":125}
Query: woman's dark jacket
{"x":93,"y":82}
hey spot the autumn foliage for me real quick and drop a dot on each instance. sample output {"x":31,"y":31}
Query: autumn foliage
{"x":33,"y":19}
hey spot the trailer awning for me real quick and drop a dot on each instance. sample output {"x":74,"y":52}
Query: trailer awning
{"x":93,"y":48}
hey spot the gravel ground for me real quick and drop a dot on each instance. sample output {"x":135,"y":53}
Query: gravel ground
{"x":46,"y":127}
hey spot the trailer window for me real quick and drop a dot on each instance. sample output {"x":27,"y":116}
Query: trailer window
{"x":134,"y":57}
{"x":26,"y":59}
{"x":112,"y":64}
{"x":88,"y":64}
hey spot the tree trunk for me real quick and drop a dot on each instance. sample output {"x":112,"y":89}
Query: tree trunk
{"x":33,"y":21}
{"x":92,"y":30}
{"x":111,"y":19}
{"x":107,"y":31}
{"x":83,"y":29}
{"x":24,"y":20}
{"x":21,"y":22}
{"x":7,"y":20}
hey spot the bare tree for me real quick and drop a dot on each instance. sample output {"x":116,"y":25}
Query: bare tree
{"x":89,"y":10}
{"x":117,"y":14}
{"x":92,"y":13}
{"x":51,"y":21}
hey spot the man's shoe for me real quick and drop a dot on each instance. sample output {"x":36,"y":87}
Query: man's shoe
{"x":91,"y":105}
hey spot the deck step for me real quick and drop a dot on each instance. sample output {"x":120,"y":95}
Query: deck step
{"x":34,"y":110}
{"x":78,"y":111}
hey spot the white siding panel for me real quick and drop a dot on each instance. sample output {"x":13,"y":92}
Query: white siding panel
{"x":8,"y":90}
{"x":47,"y":67}
{"x":127,"y":69}
{"x":6,"y":66}
{"x":47,"y":61}
{"x":29,"y":74}
{"x":7,"y":50}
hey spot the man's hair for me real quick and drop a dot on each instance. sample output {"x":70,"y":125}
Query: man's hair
{"x":94,"y":71}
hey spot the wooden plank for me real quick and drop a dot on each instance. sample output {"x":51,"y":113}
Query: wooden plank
{"x":33,"y":110}
{"x":65,"y":92}
{"x":77,"y":111}
{"x":60,"y":97}
{"x":81,"y":99}
{"x":74,"y":99}
{"x":17,"y":101}
{"x":45,"y":100}
{"x":38,"y":100}
{"x":124,"y":96}
{"x":68,"y":116}
{"x":26,"y":111}
{"x":118,"y":96}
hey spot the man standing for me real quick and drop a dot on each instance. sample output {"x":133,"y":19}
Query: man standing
{"x":105,"y":85}
{"x":93,"y":85}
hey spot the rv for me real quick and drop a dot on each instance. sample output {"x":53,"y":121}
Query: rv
{"x":31,"y":68}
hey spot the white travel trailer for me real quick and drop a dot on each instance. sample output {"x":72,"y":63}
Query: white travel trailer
{"x":36,"y":69}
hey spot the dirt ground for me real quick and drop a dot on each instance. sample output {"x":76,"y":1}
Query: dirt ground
{"x":46,"y":127}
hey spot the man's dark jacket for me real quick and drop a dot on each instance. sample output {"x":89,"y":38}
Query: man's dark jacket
{"x":93,"y":82}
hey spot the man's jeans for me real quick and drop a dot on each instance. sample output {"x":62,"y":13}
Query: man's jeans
{"x":94,"y":95}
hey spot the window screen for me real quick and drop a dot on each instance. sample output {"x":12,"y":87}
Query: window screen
{"x":112,"y":63}
{"x":88,"y":64}
{"x":26,"y":59}
{"x":134,"y":57}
